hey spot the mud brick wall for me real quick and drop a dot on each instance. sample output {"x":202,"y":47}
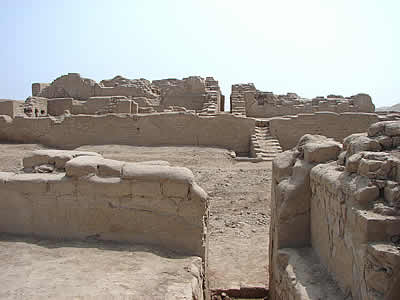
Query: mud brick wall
{"x":8,"y":107}
{"x":108,"y":200}
{"x":225,"y":131}
{"x":289,"y":130}
{"x":266,"y":104}
{"x":335,"y":226}
{"x":57,"y":106}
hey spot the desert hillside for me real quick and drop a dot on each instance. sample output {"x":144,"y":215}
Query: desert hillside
{"x":395,"y":107}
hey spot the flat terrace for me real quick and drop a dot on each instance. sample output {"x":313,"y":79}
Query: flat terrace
{"x":238,"y":231}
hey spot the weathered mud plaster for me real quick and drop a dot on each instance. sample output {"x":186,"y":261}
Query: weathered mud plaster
{"x":247,"y":100}
{"x":85,"y":95}
{"x":225,"y":131}
{"x":104,"y":199}
{"x":345,"y":222}
{"x":289,"y":129}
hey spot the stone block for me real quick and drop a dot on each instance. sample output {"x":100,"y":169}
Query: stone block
{"x":362,"y":143}
{"x":376,"y":129}
{"x":368,"y":166}
{"x":283,"y":164}
{"x":60,"y":160}
{"x":366,"y":195}
{"x":156,"y":173}
{"x":34,"y":159}
{"x":392,"y":193}
{"x":392,"y":129}
{"x":385,"y":141}
{"x":110,"y":168}
{"x":322,"y":151}
{"x":82,"y":166}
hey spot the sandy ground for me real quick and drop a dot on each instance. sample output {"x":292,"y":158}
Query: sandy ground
{"x":42,"y":269}
{"x":239,"y":205}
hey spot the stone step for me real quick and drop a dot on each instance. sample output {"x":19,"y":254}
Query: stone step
{"x":262,"y":134}
{"x":262,"y":127}
{"x":263,"y":131}
{"x":264,"y":144}
{"x":207,"y":115}
{"x":268,"y":153}
{"x":262,"y":147}
{"x":267,"y":140}
{"x":271,"y":142}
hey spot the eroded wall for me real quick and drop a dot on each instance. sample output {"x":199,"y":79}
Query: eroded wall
{"x":336,"y":218}
{"x":246,"y":99}
{"x":223,"y":131}
{"x":35,"y":107}
{"x":92,"y":106}
{"x":8,"y":107}
{"x":192,"y":93}
{"x":105,"y":199}
{"x":289,"y":130}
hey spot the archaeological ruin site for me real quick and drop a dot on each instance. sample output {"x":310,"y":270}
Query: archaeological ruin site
{"x":139,"y":189}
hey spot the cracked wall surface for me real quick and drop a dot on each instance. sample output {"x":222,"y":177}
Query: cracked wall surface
{"x":338,"y":211}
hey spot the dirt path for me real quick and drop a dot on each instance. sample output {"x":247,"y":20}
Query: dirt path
{"x":239,"y":205}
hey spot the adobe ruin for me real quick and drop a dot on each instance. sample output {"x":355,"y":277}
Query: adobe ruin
{"x":81,"y":95}
{"x":336,"y":218}
{"x":247,"y":100}
{"x":334,"y":191}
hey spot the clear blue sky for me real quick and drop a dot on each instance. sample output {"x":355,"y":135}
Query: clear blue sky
{"x":309,"y":47}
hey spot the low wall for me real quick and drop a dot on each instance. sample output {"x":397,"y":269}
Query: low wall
{"x":8,"y":107}
{"x":108,"y":200}
{"x":225,"y":131}
{"x":290,"y":129}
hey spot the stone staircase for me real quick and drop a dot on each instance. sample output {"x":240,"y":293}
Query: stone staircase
{"x":237,"y":104}
{"x":263,"y":145}
{"x":209,"y":109}
{"x":210,"y":106}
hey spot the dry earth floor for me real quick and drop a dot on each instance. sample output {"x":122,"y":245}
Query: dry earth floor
{"x":42,"y":269}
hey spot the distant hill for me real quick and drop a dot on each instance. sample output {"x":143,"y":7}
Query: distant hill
{"x":395,"y":107}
